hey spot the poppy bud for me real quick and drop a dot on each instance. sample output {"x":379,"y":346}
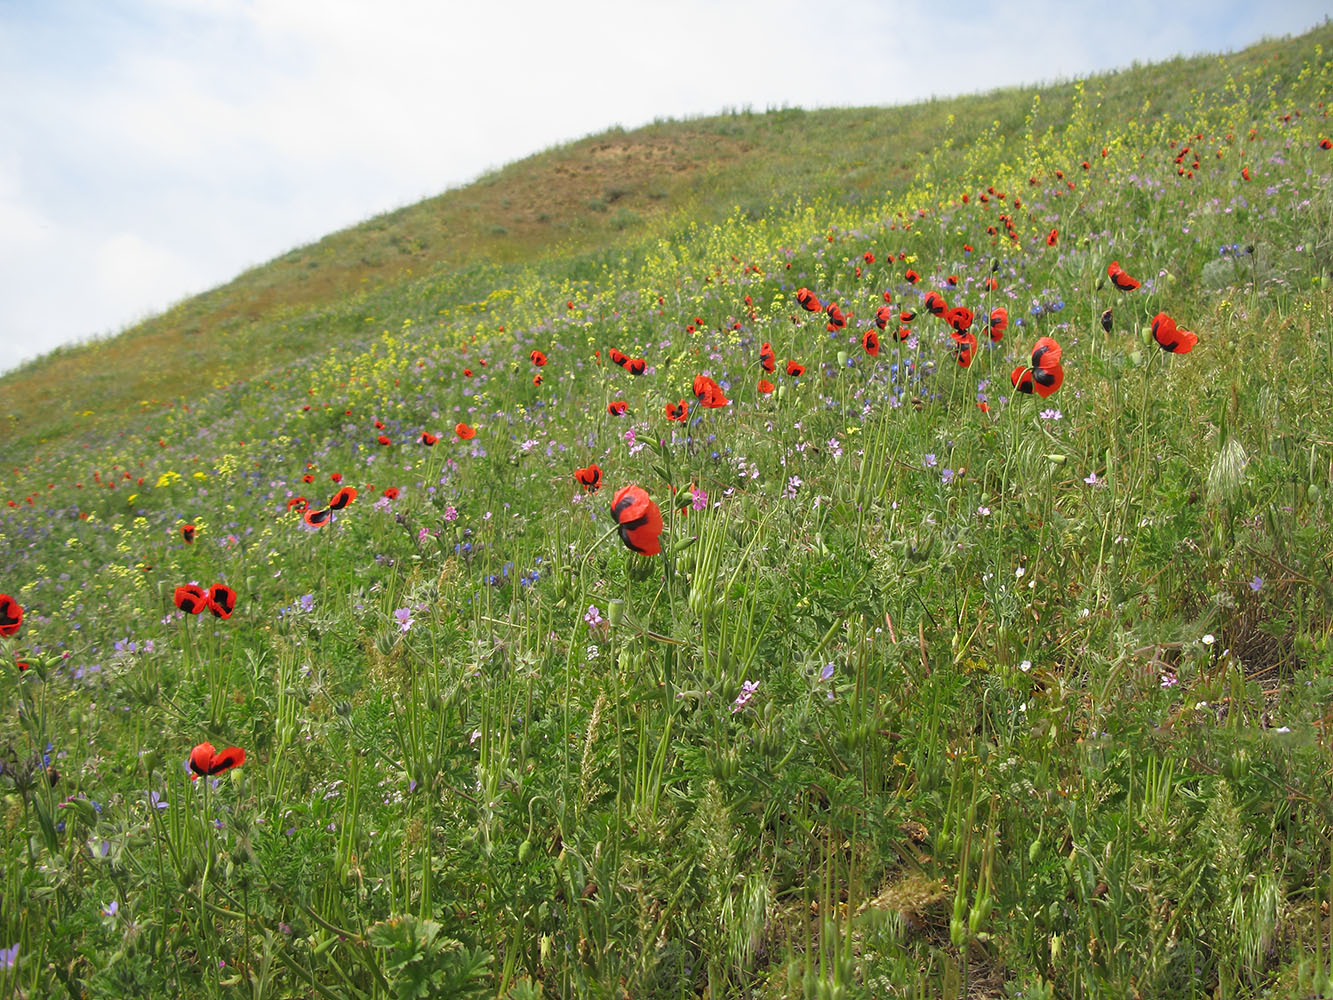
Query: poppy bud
{"x":615,"y":612}
{"x":1057,"y":459}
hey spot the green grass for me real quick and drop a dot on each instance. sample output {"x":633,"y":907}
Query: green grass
{"x":921,"y":698}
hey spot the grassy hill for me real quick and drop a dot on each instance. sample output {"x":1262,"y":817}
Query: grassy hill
{"x":886,"y":678}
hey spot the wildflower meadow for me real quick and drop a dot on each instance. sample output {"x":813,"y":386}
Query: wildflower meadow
{"x":908,"y":590}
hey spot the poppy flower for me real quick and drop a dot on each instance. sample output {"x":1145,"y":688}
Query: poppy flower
{"x":882,"y":316}
{"x":617,"y":408}
{"x":636,"y":366}
{"x":935,"y":304}
{"x":342,"y":498}
{"x":392,"y":493}
{"x":336,"y":477}
{"x":709,"y":393}
{"x":1108,"y":320}
{"x":1245,"y":173}
{"x":538,"y":358}
{"x":221,"y":600}
{"x":22,"y":665}
{"x":912,"y":277}
{"x":678,"y":411}
{"x":1326,"y":143}
{"x":1119,"y":278}
{"x":191,"y":598}
{"x":307,"y":478}
{"x":187,"y":534}
{"x":1170,"y":337}
{"x":836,"y":320}
{"x":316,"y":518}
{"x":1046,"y":374}
{"x":965,"y":344}
{"x":384,"y":440}
{"x":590,"y":478}
{"x":868,"y":257}
{"x":807,"y":300}
{"x":11,"y":615}
{"x":795,"y":370}
{"x":870,"y":342}
{"x":536,"y":380}
{"x":379,"y":425}
{"x":960,"y":318}
{"x":639,"y":519}
{"x":464,"y":431}
{"x":467,"y":372}
{"x":765,"y":386}
{"x":767,"y":358}
{"x":618,"y":357}
{"x":906,"y":316}
{"x":428,"y":439}
{"x":952,"y":281}
{"x":999,"y":322}
{"x":206,"y":762}
{"x":298,"y":503}
{"x":1053,"y":237}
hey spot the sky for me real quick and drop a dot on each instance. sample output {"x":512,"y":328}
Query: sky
{"x":152,"y":149}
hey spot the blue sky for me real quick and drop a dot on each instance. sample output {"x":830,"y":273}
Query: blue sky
{"x":153,"y":149}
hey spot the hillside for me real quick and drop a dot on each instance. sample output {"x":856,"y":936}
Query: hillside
{"x":618,"y":190}
{"x":863,"y":553}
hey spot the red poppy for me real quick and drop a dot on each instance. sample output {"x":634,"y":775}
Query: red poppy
{"x":999,"y":321}
{"x":912,"y":276}
{"x":795,"y":370}
{"x":882,"y":316}
{"x":903,"y":332}
{"x":636,"y":366}
{"x":1108,"y":320}
{"x":221,"y":600}
{"x":392,"y":493}
{"x":1052,"y":237}
{"x":343,"y":498}
{"x":382,"y":439}
{"x":590,"y":478}
{"x":618,"y":357}
{"x":678,"y":411}
{"x":1120,"y":278}
{"x":952,"y":281}
{"x":965,"y":343}
{"x":187,"y":534}
{"x":538,"y":358}
{"x":767,"y":358}
{"x":1046,"y":374}
{"x":836,"y":320}
{"x":22,"y":665}
{"x":868,"y":257}
{"x":870,"y":342}
{"x":316,"y":518}
{"x":808,"y":300}
{"x":639,"y":519}
{"x":537,"y":379}
{"x":1326,"y":143}
{"x":1086,"y":165}
{"x":765,"y":386}
{"x":191,"y":598}
{"x":617,"y":408}
{"x":11,"y":615}
{"x":428,"y":439}
{"x":379,"y":425}
{"x":1170,"y":337}
{"x":906,"y":316}
{"x":935,"y":304}
{"x":709,"y":393}
{"x":299,"y":503}
{"x":464,"y":431}
{"x":467,"y":372}
{"x":206,"y":762}
{"x":307,"y":478}
{"x":336,"y":477}
{"x":960,"y":318}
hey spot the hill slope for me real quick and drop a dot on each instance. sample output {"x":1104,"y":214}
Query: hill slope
{"x":617,"y":190}
{"x":877,"y":585}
